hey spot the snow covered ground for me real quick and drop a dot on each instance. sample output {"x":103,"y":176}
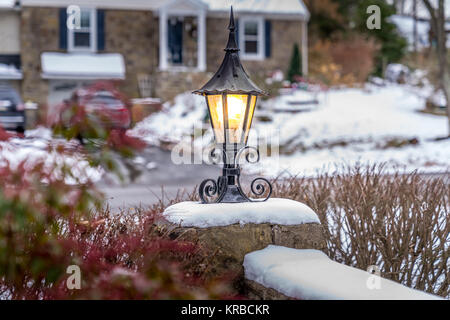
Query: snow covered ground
{"x":376,"y":124}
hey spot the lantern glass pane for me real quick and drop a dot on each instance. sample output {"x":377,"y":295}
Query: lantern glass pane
{"x":215,"y":106}
{"x":250,"y":117}
{"x":236,"y":106}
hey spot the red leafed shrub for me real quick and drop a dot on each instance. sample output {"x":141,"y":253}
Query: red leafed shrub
{"x":52,"y":219}
{"x":119,"y":140}
{"x":4,"y":135}
{"x":48,"y":225}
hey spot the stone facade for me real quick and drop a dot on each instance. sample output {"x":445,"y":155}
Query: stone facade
{"x":231,"y":243}
{"x":135,"y":34}
{"x":39,"y":33}
{"x":284,"y":34}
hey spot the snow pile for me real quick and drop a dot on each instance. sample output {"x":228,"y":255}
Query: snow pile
{"x":274,"y":211}
{"x":360,"y":126}
{"x":294,"y":101}
{"x":175,"y":122}
{"x":311,"y":275}
{"x":349,"y":126}
{"x":35,"y":147}
{"x":395,"y":72}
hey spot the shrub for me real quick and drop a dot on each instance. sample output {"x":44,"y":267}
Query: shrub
{"x":47,"y":225}
{"x":295,"y":66}
{"x":355,"y":55}
{"x":342,"y":61}
{"x":398,"y":222}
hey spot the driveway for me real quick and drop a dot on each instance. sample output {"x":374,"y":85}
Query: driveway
{"x":160,"y":178}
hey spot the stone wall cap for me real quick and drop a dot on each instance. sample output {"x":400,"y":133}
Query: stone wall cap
{"x":310,"y":275}
{"x":272,"y":211}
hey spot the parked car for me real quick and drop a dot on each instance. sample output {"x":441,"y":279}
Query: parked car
{"x":100,"y":104}
{"x":12,"y":109}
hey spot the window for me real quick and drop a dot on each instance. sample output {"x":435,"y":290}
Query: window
{"x":251,"y":38}
{"x":175,"y":40}
{"x":84,"y":38}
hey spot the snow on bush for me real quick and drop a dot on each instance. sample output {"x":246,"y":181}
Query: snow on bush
{"x":399,"y":223}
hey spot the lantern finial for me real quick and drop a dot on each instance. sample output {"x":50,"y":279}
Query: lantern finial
{"x":231,"y":26}
{"x":232,"y":45}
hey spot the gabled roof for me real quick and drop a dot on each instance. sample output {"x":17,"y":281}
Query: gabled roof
{"x":290,"y":7}
{"x":279,"y":7}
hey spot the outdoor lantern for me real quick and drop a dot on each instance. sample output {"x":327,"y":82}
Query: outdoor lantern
{"x":231,"y":99}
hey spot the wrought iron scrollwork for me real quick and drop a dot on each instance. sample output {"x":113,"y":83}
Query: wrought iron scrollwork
{"x":228,"y":188}
{"x":248,"y":155}
{"x":210,"y":189}
{"x":213,"y":156}
{"x":258,"y":188}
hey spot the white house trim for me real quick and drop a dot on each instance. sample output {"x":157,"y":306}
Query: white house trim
{"x":182,"y":8}
{"x":163,"y":40}
{"x":201,"y":42}
{"x":92,"y":33}
{"x":305,"y":48}
{"x":260,"y":55}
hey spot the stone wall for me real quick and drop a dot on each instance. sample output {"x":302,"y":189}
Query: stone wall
{"x":39,"y":33}
{"x":231,"y":243}
{"x":134,"y":34}
{"x":285,"y":33}
{"x":168,"y":84}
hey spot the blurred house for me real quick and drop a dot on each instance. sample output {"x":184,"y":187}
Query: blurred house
{"x":155,"y":48}
{"x":10,"y":65}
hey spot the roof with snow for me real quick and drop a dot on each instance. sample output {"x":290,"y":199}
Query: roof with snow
{"x":10,"y":72}
{"x":57,"y":65}
{"x":276,"y":7}
{"x":263,"y":6}
{"x":7,"y":4}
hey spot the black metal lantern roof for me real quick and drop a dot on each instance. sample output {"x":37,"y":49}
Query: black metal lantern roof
{"x":231,"y":76}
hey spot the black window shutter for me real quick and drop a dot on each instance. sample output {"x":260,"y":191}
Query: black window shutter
{"x":63,"y":28}
{"x":268,"y":38}
{"x":100,"y":29}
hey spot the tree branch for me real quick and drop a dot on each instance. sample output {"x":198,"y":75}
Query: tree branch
{"x":431,"y":10}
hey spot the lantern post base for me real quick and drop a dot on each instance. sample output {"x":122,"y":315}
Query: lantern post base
{"x":234,"y":194}
{"x":227,"y":188}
